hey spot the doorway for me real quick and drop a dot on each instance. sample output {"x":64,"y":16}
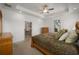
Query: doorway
{"x":28,"y":30}
{"x":0,"y":21}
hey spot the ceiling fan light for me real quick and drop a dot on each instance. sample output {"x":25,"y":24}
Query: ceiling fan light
{"x":45,"y":11}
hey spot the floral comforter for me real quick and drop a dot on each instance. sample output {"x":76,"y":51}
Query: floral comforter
{"x":50,"y":42}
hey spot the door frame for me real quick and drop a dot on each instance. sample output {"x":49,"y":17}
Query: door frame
{"x":0,"y":21}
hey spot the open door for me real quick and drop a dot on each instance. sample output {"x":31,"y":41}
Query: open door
{"x":0,"y":21}
{"x":28,"y":29}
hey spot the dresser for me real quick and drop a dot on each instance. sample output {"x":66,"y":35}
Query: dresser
{"x":44,"y":30}
{"x":6,"y":44}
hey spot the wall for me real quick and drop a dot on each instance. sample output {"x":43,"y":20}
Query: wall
{"x":48,"y":22}
{"x":37,"y":23}
{"x":68,"y":20}
{"x":14,"y":22}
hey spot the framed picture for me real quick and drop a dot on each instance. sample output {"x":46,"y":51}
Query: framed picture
{"x":57,"y":25}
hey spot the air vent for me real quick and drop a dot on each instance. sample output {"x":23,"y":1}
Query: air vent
{"x":7,"y":5}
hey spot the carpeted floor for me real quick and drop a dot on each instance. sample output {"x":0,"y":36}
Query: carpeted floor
{"x":24,"y":48}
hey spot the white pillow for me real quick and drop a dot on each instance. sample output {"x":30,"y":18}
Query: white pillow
{"x":72,"y":37}
{"x":63,"y":37}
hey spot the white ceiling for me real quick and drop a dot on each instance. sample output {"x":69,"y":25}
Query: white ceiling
{"x":35,"y":7}
{"x":58,"y":7}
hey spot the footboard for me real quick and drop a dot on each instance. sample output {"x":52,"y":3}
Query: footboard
{"x":41,"y":49}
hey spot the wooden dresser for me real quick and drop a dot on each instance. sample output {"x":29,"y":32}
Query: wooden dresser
{"x":44,"y":30}
{"x":6,"y":44}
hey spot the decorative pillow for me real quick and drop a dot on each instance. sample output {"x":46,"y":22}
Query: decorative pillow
{"x":72,"y":37}
{"x":63,"y":37}
{"x":60,"y":33}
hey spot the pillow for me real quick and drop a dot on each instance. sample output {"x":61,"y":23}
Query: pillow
{"x":72,"y":37}
{"x":60,"y":33}
{"x":63,"y":37}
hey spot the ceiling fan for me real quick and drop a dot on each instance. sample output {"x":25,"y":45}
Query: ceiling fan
{"x":46,"y":9}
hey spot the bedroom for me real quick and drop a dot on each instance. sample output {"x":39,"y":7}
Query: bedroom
{"x":15,"y":15}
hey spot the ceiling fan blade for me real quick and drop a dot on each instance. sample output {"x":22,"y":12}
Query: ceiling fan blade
{"x":51,"y":9}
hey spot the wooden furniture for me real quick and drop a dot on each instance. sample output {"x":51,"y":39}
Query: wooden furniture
{"x":44,"y":30}
{"x":41,"y":49}
{"x":5,"y":44}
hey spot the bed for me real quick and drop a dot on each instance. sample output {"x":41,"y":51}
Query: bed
{"x":49,"y":45}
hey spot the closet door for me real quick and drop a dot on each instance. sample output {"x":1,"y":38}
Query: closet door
{"x":0,"y":22}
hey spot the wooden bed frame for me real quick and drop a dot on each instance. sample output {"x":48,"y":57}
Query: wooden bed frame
{"x":41,"y":49}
